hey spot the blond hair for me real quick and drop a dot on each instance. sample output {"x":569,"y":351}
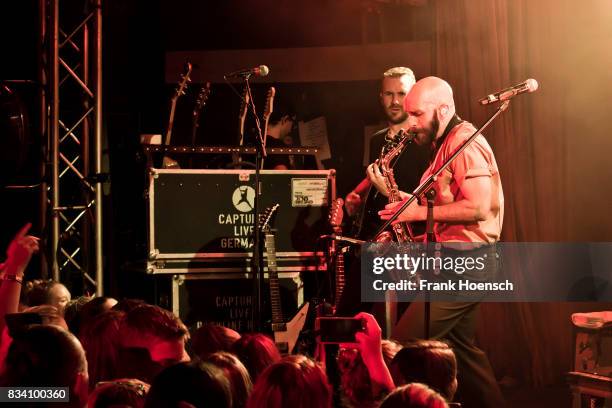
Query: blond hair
{"x":397,"y":72}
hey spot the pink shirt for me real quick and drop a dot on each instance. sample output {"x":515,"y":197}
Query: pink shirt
{"x":477,"y":160}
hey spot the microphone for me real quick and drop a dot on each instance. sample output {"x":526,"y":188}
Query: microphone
{"x":261,"y":70}
{"x":343,"y":239}
{"x":530,"y":85}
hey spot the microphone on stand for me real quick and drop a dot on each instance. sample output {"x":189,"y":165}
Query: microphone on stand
{"x":530,"y":85}
{"x":341,"y":238}
{"x":261,"y":70}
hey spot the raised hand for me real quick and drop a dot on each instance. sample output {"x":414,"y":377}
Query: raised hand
{"x":370,"y":346}
{"x":20,"y":250}
{"x":370,"y":339}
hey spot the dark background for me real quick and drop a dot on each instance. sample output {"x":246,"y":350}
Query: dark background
{"x":136,"y":36}
{"x":552,"y":147}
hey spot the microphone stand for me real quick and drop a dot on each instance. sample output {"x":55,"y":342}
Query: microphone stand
{"x":256,"y":265}
{"x":425,"y":189}
{"x":342,"y":238}
{"x":430,"y":237}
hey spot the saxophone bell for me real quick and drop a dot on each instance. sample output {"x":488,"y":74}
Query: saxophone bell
{"x":384,"y":237}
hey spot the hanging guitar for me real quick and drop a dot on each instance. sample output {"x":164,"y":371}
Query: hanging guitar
{"x":336,"y":256}
{"x":246,"y":98}
{"x":169,"y":163}
{"x":266,"y":114}
{"x":244,"y":105}
{"x":336,"y":214}
{"x":285,"y":334}
{"x":196,"y":113}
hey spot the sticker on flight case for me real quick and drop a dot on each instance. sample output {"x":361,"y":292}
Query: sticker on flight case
{"x":243,"y":198}
{"x":308,"y":192}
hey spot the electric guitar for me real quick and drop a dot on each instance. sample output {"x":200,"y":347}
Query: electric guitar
{"x":180,"y":90}
{"x":362,"y":219}
{"x":246,"y":98}
{"x":195,"y":114}
{"x":336,"y":214}
{"x":197,"y":110}
{"x":268,"y":109}
{"x":244,"y":105}
{"x":267,"y":112}
{"x":285,"y":334}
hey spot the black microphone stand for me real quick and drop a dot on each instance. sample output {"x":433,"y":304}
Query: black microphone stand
{"x":256,"y":267}
{"x":431,"y":237}
{"x":425,"y":189}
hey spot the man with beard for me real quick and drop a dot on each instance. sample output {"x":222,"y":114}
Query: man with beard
{"x":395,"y":86}
{"x":468,"y":207}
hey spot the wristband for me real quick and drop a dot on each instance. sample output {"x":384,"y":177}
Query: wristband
{"x":13,"y":277}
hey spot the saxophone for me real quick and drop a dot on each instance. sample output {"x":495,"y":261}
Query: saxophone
{"x":392,"y":149}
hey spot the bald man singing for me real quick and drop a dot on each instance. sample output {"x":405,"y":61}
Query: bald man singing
{"x":468,"y":207}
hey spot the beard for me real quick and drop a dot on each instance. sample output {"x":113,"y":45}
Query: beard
{"x":426,"y":135}
{"x":395,"y":117}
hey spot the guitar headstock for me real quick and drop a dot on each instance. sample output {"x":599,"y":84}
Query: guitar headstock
{"x":266,"y":219}
{"x":336,"y":213}
{"x":202,"y":98}
{"x":244,"y":104}
{"x":183,"y":82}
{"x":269,"y":103}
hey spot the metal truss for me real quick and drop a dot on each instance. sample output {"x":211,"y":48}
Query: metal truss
{"x":72,"y":70}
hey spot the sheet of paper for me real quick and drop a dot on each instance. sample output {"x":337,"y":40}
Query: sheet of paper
{"x":314,"y":133}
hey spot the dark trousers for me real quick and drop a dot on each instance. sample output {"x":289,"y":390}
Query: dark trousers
{"x":455,"y":323}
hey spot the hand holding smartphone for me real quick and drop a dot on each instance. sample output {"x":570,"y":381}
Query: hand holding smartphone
{"x":337,"y":330}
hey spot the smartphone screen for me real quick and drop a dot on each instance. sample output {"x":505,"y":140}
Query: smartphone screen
{"x":339,"y":329}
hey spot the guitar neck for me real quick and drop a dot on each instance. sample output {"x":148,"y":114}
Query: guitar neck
{"x":265,"y":127}
{"x":242,"y":118}
{"x":170,"y":122}
{"x":339,"y":277}
{"x":275,"y":299}
{"x":180,"y":90}
{"x":268,"y":110}
{"x":197,"y":111}
{"x":195,"y":123}
{"x":339,"y":271}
